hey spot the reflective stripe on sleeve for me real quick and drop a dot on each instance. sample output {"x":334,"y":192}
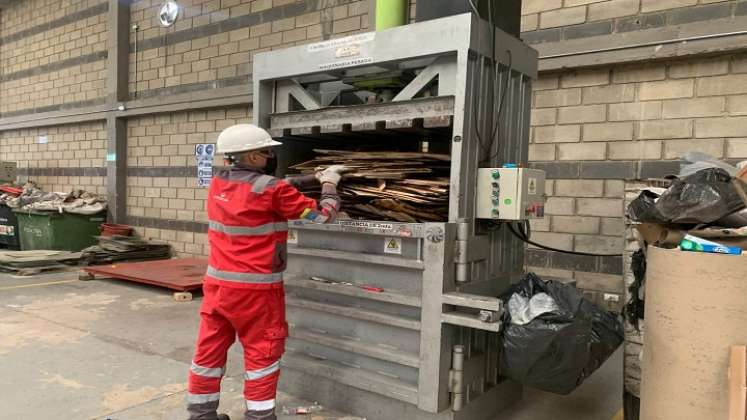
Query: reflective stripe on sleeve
{"x":207,"y":372}
{"x":262,"y":183}
{"x":244,"y":277}
{"x":253,"y":375}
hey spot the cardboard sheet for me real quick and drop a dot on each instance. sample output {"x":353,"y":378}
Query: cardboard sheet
{"x":696,"y":310}
{"x":738,"y":383}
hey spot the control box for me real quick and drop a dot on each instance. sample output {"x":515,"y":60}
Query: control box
{"x":510,"y":193}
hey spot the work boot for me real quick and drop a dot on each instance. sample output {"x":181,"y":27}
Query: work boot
{"x":204,"y":411}
{"x":261,"y":415}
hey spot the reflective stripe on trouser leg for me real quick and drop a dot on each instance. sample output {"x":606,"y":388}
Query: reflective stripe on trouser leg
{"x":204,"y":380}
{"x":260,"y":387}
{"x":260,"y":405}
{"x":207,"y":372}
{"x":202,"y":398}
{"x":253,"y":375}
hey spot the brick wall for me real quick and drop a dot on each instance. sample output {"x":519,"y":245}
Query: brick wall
{"x":212,"y":43}
{"x":593,"y":128}
{"x":163,"y":199}
{"x":553,"y":20}
{"x":73,"y":157}
{"x":24,"y":15}
{"x":52,"y":55}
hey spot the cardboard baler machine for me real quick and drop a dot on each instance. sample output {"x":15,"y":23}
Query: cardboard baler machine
{"x":397,"y":320}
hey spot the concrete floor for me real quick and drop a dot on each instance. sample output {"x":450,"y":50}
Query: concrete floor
{"x":106,"y":349}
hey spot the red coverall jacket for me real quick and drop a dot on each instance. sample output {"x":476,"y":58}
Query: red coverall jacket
{"x":248,"y":213}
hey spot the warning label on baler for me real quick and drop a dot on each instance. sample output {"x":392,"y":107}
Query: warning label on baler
{"x":392,"y":246}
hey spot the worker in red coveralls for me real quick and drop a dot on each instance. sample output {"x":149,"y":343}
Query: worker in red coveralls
{"x":248,"y":209}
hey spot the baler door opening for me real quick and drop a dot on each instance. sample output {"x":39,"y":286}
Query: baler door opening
{"x":391,"y":127}
{"x":400,"y":178}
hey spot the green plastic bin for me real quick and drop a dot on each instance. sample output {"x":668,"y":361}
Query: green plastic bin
{"x":58,"y":231}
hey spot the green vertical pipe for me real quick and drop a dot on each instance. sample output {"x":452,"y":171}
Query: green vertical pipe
{"x":391,"y":13}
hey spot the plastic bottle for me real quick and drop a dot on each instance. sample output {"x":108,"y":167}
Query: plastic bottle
{"x":695,"y":244}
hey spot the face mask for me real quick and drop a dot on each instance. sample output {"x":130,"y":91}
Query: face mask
{"x":272,"y":165}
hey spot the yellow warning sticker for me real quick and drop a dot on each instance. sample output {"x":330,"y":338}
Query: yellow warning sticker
{"x":392,"y":245}
{"x":292,"y":236}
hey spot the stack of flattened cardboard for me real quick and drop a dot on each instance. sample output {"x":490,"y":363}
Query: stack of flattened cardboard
{"x":124,"y":248}
{"x":32,"y":262}
{"x":399,"y":186}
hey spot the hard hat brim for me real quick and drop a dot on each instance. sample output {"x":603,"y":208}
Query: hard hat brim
{"x":250,"y":147}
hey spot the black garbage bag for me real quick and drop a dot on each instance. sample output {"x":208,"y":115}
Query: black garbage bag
{"x":703,"y":197}
{"x":643,"y":208}
{"x":556,"y":350}
{"x":635,"y":309}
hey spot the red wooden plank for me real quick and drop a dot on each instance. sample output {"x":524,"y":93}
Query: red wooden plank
{"x":181,"y":274}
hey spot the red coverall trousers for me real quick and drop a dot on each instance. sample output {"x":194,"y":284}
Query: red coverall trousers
{"x":258,"y":318}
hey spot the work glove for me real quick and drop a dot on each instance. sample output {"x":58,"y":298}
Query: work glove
{"x":330,"y":175}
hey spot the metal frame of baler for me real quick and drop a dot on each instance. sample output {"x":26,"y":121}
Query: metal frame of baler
{"x":464,"y":266}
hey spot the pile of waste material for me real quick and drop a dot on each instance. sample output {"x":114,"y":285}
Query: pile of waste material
{"x":400,"y":186}
{"x":704,"y":207}
{"x":8,"y":192}
{"x":32,"y":198}
{"x":124,"y":248}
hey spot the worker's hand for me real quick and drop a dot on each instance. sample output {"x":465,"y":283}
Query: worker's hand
{"x":331,"y":175}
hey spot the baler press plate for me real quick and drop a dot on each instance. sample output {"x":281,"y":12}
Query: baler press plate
{"x":425,"y":116}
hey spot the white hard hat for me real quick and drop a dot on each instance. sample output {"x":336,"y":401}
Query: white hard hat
{"x":243,"y":138}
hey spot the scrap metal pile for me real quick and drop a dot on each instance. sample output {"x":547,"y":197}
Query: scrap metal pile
{"x":399,"y":186}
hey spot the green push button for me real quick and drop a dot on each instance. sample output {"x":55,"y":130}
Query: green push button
{"x":507,"y":201}
{"x":496,"y":174}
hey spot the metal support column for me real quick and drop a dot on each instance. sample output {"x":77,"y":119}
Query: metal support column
{"x":116,"y":168}
{"x":118,"y":59}
{"x":117,"y":65}
{"x":435,"y":342}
